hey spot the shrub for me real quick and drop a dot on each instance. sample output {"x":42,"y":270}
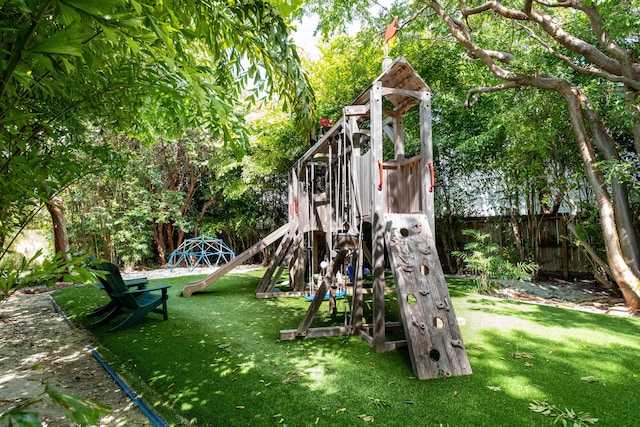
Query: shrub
{"x":484,"y":259}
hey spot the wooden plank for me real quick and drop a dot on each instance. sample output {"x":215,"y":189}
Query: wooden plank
{"x":433,"y":336}
{"x":207,"y":281}
{"x":266,"y":284}
{"x":356,"y":110}
{"x":377,"y":226}
{"x":333,"y":268}
{"x":325,"y":331}
{"x":262,"y":295}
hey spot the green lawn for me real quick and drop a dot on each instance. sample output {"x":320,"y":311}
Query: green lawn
{"x":218,"y":361}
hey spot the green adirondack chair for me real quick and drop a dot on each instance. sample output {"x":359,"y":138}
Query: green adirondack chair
{"x":130,"y":283}
{"x":136,"y":303}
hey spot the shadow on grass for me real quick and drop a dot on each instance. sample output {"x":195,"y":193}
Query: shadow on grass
{"x":219,"y":358}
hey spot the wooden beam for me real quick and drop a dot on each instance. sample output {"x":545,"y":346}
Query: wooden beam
{"x":377,"y":209}
{"x":426,"y":148}
{"x":336,"y":263}
{"x":325,"y":331}
{"x":393,"y":91}
{"x":356,"y":110}
{"x":266,"y":284}
{"x":262,"y":295}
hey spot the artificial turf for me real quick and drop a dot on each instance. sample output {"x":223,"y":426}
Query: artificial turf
{"x":218,"y":361}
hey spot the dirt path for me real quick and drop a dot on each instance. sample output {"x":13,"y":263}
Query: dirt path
{"x":38,"y":347}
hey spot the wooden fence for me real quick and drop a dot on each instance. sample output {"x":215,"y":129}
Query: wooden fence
{"x":546,"y":236}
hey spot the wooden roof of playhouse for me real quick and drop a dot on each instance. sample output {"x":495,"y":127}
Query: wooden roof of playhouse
{"x":400,"y":79}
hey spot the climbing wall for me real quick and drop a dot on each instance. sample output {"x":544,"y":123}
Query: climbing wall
{"x":431,"y":328}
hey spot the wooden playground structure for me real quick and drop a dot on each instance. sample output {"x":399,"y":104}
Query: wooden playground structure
{"x":346,"y":205}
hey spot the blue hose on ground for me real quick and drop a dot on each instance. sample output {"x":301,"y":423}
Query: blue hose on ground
{"x":65,"y":318}
{"x":153,"y":416}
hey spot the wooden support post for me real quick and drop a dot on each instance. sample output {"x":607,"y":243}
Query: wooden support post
{"x":428,"y":172}
{"x":301,"y":332}
{"x":398,"y":127}
{"x":356,"y":299}
{"x":564,"y":247}
{"x":377,"y":210}
{"x":266,"y":284}
{"x":284,"y":263}
{"x":296,"y":272}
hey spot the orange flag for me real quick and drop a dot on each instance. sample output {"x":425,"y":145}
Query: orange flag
{"x":391,"y":30}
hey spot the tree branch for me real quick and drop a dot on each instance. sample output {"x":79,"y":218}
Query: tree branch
{"x":590,"y":70}
{"x":624,"y":56}
{"x":472,"y":94}
{"x":498,"y":8}
{"x":500,"y":56}
{"x":550,"y":26}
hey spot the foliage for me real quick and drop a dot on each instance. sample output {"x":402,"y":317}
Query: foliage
{"x":147,"y":69}
{"x":78,"y":409}
{"x":335,"y":15}
{"x":568,"y":417}
{"x":139,"y":210}
{"x":485,"y":260}
{"x":19,"y":272}
{"x":347,"y":66}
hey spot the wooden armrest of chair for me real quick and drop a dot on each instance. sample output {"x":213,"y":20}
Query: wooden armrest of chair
{"x":162,"y":288}
{"x":141,"y":283}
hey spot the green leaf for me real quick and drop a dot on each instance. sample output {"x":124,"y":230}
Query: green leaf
{"x":94,"y":7}
{"x":285,"y":7}
{"x":65,"y":42}
{"x":21,"y":419}
{"x":78,"y":409}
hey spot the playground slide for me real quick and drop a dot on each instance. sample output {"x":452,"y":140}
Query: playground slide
{"x":207,"y":281}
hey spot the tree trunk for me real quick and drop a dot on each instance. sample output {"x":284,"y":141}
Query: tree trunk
{"x":60,"y":236}
{"x":625,"y":274}
{"x":514,"y":217}
{"x":159,"y":241}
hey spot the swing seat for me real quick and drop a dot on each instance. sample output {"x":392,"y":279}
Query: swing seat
{"x":339,"y":294}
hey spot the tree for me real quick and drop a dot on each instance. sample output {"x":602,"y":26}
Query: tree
{"x":575,"y":33}
{"x":591,"y":49}
{"x":146,"y":68}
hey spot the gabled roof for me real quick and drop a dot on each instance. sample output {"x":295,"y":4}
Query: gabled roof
{"x":400,"y":75}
